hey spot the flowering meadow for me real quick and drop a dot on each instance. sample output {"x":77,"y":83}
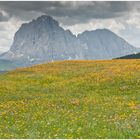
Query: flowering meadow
{"x":71,"y":99}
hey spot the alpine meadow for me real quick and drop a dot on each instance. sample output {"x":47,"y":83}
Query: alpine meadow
{"x":71,"y":99}
{"x":69,"y":70}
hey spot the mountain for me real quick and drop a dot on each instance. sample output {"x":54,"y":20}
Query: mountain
{"x":43,"y":40}
{"x":131,"y":56}
{"x":104,"y":44}
{"x":6,"y":65}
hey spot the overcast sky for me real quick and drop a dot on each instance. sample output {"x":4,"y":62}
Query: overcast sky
{"x":123,"y":18}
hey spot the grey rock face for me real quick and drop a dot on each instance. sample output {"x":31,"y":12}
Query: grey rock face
{"x":44,"y":40}
{"x":104,"y":44}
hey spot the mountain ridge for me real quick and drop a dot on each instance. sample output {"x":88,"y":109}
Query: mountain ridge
{"x":44,"y":40}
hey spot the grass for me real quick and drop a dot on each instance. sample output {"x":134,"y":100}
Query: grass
{"x":72,"y":99}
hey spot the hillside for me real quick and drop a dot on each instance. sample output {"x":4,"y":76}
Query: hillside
{"x":71,"y":99}
{"x":131,"y":56}
{"x":6,"y":65}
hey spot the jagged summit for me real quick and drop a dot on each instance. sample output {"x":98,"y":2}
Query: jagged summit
{"x":104,"y":30}
{"x":46,"y":19}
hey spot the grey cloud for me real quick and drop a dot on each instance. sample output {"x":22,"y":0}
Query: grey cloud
{"x":68,"y":13}
{"x":3,"y":17}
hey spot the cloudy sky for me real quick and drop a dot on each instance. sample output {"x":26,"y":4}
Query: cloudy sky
{"x":121,"y":17}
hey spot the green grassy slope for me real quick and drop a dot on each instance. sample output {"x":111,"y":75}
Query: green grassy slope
{"x":72,"y":99}
{"x":131,"y":56}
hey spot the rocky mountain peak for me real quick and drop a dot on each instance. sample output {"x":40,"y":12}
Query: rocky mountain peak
{"x":48,"y":20}
{"x":43,"y":39}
